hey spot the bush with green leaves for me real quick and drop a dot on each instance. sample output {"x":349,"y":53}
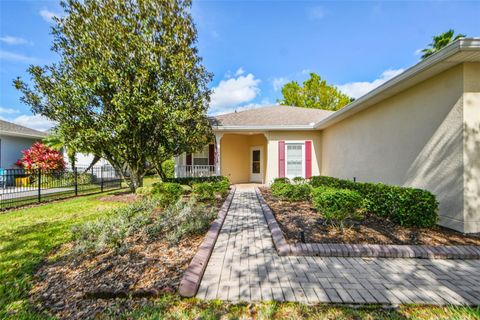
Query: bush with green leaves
{"x":338,"y":205}
{"x":192,"y":180}
{"x":406,"y":206}
{"x":167,"y":193}
{"x":281,"y":180}
{"x":298,"y":180}
{"x":144,"y":191}
{"x":221,"y":187}
{"x":204,"y":191}
{"x":291,"y":192}
{"x":168,"y":168}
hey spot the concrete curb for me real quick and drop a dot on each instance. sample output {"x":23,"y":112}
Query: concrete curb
{"x":360,"y":250}
{"x":193,"y":275}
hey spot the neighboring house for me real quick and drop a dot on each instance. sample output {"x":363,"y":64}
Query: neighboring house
{"x":84,"y":160}
{"x":13,"y":140}
{"x":419,"y":129}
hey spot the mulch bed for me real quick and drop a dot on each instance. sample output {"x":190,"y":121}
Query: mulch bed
{"x":111,"y":283}
{"x":121,"y":196}
{"x":295,"y":217}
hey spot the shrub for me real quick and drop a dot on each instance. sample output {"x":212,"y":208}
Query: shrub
{"x":167,"y":193}
{"x":168,"y":168}
{"x":144,"y":191}
{"x":298,"y":180}
{"x":221,"y":187}
{"x":204,"y":191}
{"x":192,"y":180}
{"x":405,"y":206}
{"x":110,"y":231}
{"x":182,"y":219}
{"x":291,"y":192}
{"x":337,"y":205}
{"x":39,"y":156}
{"x":281,"y":180}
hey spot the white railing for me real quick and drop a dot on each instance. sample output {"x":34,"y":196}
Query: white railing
{"x":182,"y":171}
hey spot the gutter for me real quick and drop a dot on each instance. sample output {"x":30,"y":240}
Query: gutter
{"x":22,"y":135}
{"x":465,"y":44}
{"x":264,"y":128}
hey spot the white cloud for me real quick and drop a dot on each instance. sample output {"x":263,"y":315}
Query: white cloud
{"x":278,"y":83}
{"x":234,"y":91}
{"x":13,"y":40}
{"x":239,"y":72}
{"x":8,"y":110}
{"x":358,"y":89}
{"x":11,"y":56}
{"x":48,"y":15}
{"x":36,"y":122}
{"x":316,"y":13}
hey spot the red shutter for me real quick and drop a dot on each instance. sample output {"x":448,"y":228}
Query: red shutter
{"x":308,"y":159}
{"x":189,"y":159}
{"x":211,"y":154}
{"x":281,"y":159}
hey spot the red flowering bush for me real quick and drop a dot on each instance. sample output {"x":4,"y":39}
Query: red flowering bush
{"x":39,"y":156}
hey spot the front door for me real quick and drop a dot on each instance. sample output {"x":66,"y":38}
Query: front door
{"x":256,"y":174}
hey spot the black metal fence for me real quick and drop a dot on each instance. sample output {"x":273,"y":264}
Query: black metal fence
{"x":20,"y":187}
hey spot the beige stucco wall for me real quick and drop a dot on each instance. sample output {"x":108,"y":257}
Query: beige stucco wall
{"x":235,"y":155}
{"x":414,"y":138}
{"x":275,"y":136}
{"x":471,"y":138}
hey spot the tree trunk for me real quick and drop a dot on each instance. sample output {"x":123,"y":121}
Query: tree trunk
{"x":160,"y":172}
{"x":136,"y":180}
{"x":94,"y":161}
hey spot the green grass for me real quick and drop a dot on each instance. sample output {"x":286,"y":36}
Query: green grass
{"x":28,"y":235}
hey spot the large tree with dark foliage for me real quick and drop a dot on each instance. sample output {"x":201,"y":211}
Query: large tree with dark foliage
{"x":129,"y":84}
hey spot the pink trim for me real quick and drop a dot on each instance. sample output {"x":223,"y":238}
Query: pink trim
{"x":308,"y":159}
{"x":281,"y":159}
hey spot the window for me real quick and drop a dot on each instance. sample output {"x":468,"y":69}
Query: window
{"x":201,"y":158}
{"x":294,"y":160}
{"x":256,"y":161}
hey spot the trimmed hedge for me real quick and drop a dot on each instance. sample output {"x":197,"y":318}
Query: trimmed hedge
{"x":167,"y":192}
{"x":206,"y":191}
{"x":338,"y":205}
{"x":192,"y":180}
{"x":291,"y":192}
{"x":405,"y":206}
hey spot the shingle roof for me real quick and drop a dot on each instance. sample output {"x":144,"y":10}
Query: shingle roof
{"x":12,"y":129}
{"x":272,"y":116}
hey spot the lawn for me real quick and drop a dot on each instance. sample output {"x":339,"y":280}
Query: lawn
{"x":27,"y":236}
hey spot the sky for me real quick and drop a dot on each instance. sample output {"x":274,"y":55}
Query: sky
{"x":254,"y":47}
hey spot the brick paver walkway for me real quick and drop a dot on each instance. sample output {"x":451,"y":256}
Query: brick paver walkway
{"x":245,"y":266}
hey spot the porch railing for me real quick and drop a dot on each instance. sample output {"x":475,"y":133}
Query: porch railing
{"x":183,"y":171}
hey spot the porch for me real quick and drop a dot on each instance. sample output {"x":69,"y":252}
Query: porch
{"x":242,"y":157}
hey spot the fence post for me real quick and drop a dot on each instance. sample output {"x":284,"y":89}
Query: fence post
{"x":101,"y":179}
{"x":75,"y":179}
{"x":39,"y":185}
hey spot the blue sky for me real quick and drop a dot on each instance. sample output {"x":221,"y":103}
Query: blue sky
{"x":254,"y":47}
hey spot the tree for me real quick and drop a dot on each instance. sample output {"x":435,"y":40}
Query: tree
{"x":39,"y":156}
{"x":129,"y":85}
{"x":315,"y":93}
{"x":440,"y":41}
{"x":57,"y":141}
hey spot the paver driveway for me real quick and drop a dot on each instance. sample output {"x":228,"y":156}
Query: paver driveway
{"x":245,"y":266}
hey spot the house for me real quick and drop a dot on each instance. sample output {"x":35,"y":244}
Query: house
{"x":14,"y":139}
{"x":419,"y":129}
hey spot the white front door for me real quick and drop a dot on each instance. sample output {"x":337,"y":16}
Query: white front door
{"x":256,"y":174}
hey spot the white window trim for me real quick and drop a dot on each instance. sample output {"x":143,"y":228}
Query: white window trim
{"x":302,"y":142}
{"x":205,"y":149}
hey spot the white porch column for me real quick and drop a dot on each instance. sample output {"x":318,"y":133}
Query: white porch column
{"x":218,"y":138}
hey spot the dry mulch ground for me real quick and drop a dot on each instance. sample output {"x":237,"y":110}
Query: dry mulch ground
{"x":112,"y":283}
{"x":295,"y":217}
{"x":121,"y":196}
